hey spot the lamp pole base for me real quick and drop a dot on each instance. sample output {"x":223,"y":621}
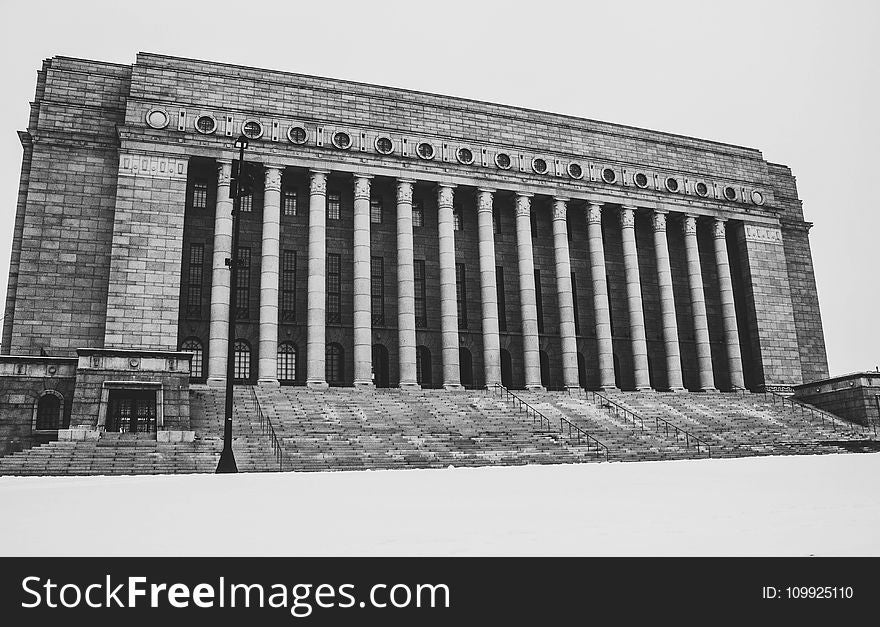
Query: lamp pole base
{"x":227,"y":462}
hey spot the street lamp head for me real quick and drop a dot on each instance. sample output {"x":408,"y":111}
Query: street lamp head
{"x":241,"y":143}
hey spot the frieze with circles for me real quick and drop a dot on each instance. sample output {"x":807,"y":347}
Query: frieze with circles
{"x":395,"y":145}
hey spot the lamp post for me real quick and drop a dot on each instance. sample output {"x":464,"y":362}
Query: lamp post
{"x":227,"y":457}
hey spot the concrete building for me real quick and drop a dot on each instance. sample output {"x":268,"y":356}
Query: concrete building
{"x":393,"y":238}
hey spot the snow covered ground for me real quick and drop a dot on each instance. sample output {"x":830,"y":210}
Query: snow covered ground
{"x":769,"y":506}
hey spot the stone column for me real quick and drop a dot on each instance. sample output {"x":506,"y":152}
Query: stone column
{"x":448,"y":305}
{"x":363,"y":321}
{"x":728,"y":310}
{"x":269,"y":264}
{"x":601,"y":309}
{"x":667,"y":303}
{"x":406,"y":300}
{"x":634,"y":299}
{"x":564,"y":294}
{"x":218,"y":333}
{"x":527,"y":297}
{"x":317,"y":287}
{"x":698,"y":305}
{"x":491,"y":339}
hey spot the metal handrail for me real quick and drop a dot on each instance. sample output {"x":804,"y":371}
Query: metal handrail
{"x":628,"y":414}
{"x":541,"y":418}
{"x":268,"y":429}
{"x":802,"y":407}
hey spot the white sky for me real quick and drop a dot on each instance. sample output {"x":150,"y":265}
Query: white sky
{"x":823,"y":505}
{"x":799,"y":81}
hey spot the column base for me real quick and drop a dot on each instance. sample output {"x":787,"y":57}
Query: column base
{"x":268,"y":382}
{"x":364,"y":385}
{"x":709,"y":390}
{"x":608,"y":388}
{"x":644,"y":388}
{"x":572,"y":388}
{"x":317,"y":384}
{"x":535,"y":388}
{"x":409,"y":385}
{"x":453,"y":387}
{"x":216,"y":382}
{"x":678,"y":390}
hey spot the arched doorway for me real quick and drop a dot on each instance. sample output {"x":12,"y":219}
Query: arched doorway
{"x":545,"y":368}
{"x":466,"y":367}
{"x":423,"y":367}
{"x":380,"y":366}
{"x":506,"y":369}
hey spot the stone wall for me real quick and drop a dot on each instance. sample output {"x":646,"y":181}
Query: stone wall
{"x":855,"y":396}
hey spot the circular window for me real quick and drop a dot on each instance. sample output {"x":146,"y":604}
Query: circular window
{"x":206,"y":124}
{"x":702,"y":189}
{"x":341,"y":140}
{"x":729,"y":193}
{"x":384,"y":145}
{"x":252,"y":129}
{"x":672,"y":184}
{"x":609,"y":175}
{"x":464,"y":155}
{"x":297,"y":134}
{"x":575,"y":170}
{"x":539,"y":165}
{"x":757,"y":197}
{"x":641,"y":180}
{"x":425,"y":150}
{"x":502,"y":160}
{"x":157,"y":118}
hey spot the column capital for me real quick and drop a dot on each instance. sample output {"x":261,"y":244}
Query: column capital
{"x":224,"y":172}
{"x":405,"y":191}
{"x":594,"y":213}
{"x":362,"y":187}
{"x":445,"y":194}
{"x":484,"y":199}
{"x":627,"y":217}
{"x":689,"y":224}
{"x":318,"y":182}
{"x":560,"y":208}
{"x":719,"y":228}
{"x":523,"y":204}
{"x":273,"y":179}
{"x":659,"y":220}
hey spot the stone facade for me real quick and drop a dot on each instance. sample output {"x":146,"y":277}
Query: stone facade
{"x":123,"y":229}
{"x":855,"y":397}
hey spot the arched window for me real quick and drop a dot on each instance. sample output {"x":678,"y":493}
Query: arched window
{"x":197,"y":364}
{"x":423,"y":366}
{"x":242,"y":361}
{"x":466,"y":367}
{"x":286,"y":362}
{"x":49,"y":410}
{"x":335,"y":367}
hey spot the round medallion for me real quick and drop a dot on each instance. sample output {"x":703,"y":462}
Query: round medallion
{"x":641,"y":180}
{"x":575,"y":170}
{"x":384,"y":145}
{"x":729,"y":193}
{"x":425,"y":150}
{"x":757,"y":197}
{"x":672,"y":183}
{"x":539,"y":165}
{"x":252,"y":129}
{"x":609,"y":175}
{"x":157,"y":118}
{"x":502,"y":160}
{"x":464,"y":155}
{"x":341,"y":140}
{"x":297,"y":134}
{"x":206,"y":124}
{"x":702,"y":189}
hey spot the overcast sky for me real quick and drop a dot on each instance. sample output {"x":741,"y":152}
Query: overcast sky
{"x":798,"y":81}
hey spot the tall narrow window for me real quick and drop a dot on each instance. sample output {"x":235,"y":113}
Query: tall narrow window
{"x":502,"y":305}
{"x":194,"y":280}
{"x":334,"y":364}
{"x":421,"y":310}
{"x":289,"y":202}
{"x":457,"y":221}
{"x":574,"y":299}
{"x":242,"y":361}
{"x":288,"y":286}
{"x":200,"y":195}
{"x":243,"y":283}
{"x":334,"y":206}
{"x":334,"y":287}
{"x":247,"y":203}
{"x":196,"y":365}
{"x":286,"y":362}
{"x":377,"y":290}
{"x":418,"y":214}
{"x":538,"y":301}
{"x":48,"y":412}
{"x":376,"y":210}
{"x":496,"y":220}
{"x":461,"y":295}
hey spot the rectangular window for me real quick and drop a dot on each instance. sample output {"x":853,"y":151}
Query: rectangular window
{"x":457,"y":222}
{"x":194,"y":280}
{"x":496,"y":220}
{"x":377,"y":290}
{"x":574,"y":300}
{"x":334,"y":287}
{"x":538,"y":303}
{"x":502,"y":305}
{"x":376,"y":210}
{"x":200,"y":195}
{"x":421,"y":309}
{"x":533,"y":218}
{"x":461,"y":295}
{"x":288,"y":286}
{"x":334,"y":206}
{"x":243,"y":283}
{"x":288,"y":206}
{"x":247,"y":203}
{"x":418,"y":214}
